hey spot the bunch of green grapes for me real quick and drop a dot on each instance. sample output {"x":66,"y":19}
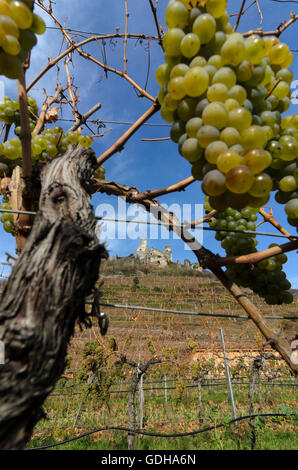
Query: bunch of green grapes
{"x":7,"y":218}
{"x":265,"y":278}
{"x":49,"y":144}
{"x":285,"y":168}
{"x":10,"y":113}
{"x":18,"y":29}
{"x":225,"y":96}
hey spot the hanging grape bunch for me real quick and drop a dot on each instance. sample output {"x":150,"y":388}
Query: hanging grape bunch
{"x":18,"y":29}
{"x":225,"y":96}
{"x":267,"y":278}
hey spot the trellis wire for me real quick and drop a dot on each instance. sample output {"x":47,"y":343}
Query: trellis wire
{"x":187,"y":226}
{"x":180,"y":312}
{"x":146,"y":433}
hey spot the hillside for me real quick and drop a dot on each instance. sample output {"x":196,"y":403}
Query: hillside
{"x":176,"y":288}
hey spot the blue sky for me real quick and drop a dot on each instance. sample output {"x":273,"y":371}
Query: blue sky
{"x":142,"y":164}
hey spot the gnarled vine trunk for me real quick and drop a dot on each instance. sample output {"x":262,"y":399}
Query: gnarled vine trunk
{"x":46,"y":293}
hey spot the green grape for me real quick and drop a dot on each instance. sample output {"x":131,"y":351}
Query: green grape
{"x":211,"y":70}
{"x":286,"y":75}
{"x":172,"y":60}
{"x":176,"y":88}
{"x":52,"y":150}
{"x":166,"y":114}
{"x":85,"y":141}
{"x":8,"y":226}
{"x":190,"y":45}
{"x":292,"y":209}
{"x":177,"y":130}
{"x":239,"y":179}
{"x":255,"y":48}
{"x":176,"y":15}
{"x":11,"y":45}
{"x":228,"y":160}
{"x":289,"y":148}
{"x":238,"y":93}
{"x":172,"y":41}
{"x":38,"y":25}
{"x":216,"y":115}
{"x":225,"y":75}
{"x":5,"y":8}
{"x":217,"y":92}
{"x":217,"y":42}
{"x":21,"y":14}
{"x":288,"y":183}
{"x":7,"y":217}
{"x":244,"y":71}
{"x":162,"y":74}
{"x":253,"y":136}
{"x":216,"y":8}
{"x":193,"y":14}
{"x":198,"y":61}
{"x":214,"y":149}
{"x":240,"y":119}
{"x":233,"y":52}
{"x":170,"y":103}
{"x":230,"y":136}
{"x":262,"y":186}
{"x":27,"y":40}
{"x":178,"y":70}
{"x":279,"y":54}
{"x":231,"y":103}
{"x":10,"y":66}
{"x":216,"y":61}
{"x":191,"y":150}
{"x":257,"y":160}
{"x":204,"y":27}
{"x":186,"y":108}
{"x":214,"y":183}
{"x":9,"y":25}
{"x":196,"y":81}
{"x":206,"y":135}
{"x":282,"y":90}
{"x":192,"y":126}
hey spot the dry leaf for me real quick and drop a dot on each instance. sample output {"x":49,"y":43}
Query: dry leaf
{"x":52,"y":115}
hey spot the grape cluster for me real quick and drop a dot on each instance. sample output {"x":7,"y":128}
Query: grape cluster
{"x":266,"y":278}
{"x":49,"y":144}
{"x":225,"y":96}
{"x":10,"y":113}
{"x":18,"y":29}
{"x":284,"y":168}
{"x":7,"y":217}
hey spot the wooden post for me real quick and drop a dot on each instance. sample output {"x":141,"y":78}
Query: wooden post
{"x":228,"y":375}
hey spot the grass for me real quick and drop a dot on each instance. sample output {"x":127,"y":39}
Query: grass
{"x":177,"y":416}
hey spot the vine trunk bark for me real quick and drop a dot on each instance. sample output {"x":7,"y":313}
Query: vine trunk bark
{"x":46,"y":292}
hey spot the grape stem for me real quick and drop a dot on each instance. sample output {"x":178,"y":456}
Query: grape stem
{"x":239,"y":16}
{"x":154,"y":12}
{"x":269,"y":218}
{"x":279,"y":30}
{"x":119,"y":144}
{"x":254,"y":258}
{"x":45,"y":107}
